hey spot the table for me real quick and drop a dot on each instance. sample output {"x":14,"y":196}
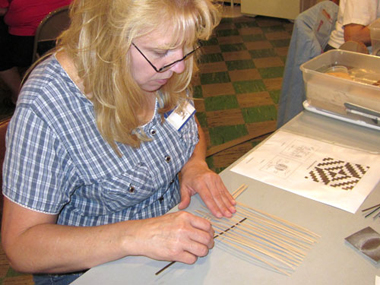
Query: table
{"x":330,"y":261}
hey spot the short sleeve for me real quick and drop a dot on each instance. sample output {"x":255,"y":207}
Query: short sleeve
{"x":38,"y":173}
{"x":361,"y":12}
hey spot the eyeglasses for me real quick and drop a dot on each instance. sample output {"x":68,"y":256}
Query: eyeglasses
{"x":166,"y":67}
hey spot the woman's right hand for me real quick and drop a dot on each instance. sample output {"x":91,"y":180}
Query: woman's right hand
{"x":179,"y":236}
{"x":31,"y":235}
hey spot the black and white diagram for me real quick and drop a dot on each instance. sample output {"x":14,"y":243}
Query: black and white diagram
{"x":337,"y":173}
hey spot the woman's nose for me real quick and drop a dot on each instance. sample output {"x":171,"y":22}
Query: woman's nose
{"x":178,"y":67}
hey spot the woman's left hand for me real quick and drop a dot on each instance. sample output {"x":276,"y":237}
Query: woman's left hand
{"x":198,"y":178}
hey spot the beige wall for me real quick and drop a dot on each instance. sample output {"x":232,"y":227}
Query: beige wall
{"x":288,"y":9}
{"x":306,"y":4}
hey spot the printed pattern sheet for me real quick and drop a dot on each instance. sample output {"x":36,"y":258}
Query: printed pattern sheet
{"x":332,"y":174}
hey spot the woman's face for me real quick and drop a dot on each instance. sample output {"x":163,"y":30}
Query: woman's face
{"x":151,"y":46}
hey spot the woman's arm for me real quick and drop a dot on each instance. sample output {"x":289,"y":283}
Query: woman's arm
{"x":3,"y":11}
{"x":357,"y":33}
{"x":34,"y":243}
{"x":4,"y":4}
{"x":196,"y":177}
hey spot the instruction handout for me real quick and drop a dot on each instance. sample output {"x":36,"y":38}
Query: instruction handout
{"x":332,"y":174}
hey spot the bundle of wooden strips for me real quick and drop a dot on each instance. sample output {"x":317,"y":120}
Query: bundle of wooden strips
{"x":238,"y":191}
{"x":261,"y":237}
{"x":265,"y":238}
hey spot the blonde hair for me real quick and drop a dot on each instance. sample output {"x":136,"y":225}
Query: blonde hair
{"x":98,"y":40}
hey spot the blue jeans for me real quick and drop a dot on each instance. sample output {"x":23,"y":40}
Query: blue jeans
{"x":309,"y":37}
{"x":55,"y":279}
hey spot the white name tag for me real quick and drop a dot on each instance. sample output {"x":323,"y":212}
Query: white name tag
{"x":178,"y":118}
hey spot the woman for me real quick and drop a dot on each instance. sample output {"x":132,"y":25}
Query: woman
{"x":101,"y":130}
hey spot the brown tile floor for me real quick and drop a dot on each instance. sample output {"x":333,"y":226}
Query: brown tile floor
{"x":237,"y":93}
{"x":239,"y":84}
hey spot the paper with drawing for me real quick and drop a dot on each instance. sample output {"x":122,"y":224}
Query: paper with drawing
{"x":338,"y":176}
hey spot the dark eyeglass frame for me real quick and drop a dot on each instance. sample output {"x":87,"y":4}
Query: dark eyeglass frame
{"x":165,"y":67}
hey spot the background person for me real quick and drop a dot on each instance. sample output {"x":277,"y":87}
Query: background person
{"x":354,"y":17}
{"x":19,"y":20}
{"x":348,"y":29}
{"x":311,"y":32}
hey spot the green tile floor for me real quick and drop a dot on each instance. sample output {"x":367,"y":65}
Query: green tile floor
{"x":239,"y":83}
{"x":236,"y":92}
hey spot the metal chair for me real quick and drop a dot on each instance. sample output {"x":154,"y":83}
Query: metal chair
{"x":49,"y":29}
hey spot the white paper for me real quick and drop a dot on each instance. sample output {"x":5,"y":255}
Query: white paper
{"x":335,"y":175}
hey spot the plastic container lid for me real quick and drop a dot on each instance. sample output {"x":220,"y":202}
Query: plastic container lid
{"x":375,"y":25}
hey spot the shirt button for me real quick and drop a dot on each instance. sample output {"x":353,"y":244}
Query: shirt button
{"x":167,"y":158}
{"x":131,"y":189}
{"x":153,"y":132}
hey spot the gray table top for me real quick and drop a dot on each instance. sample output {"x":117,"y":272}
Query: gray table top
{"x":330,"y":261}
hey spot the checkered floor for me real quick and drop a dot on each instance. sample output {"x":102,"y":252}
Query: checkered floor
{"x":237,"y":93}
{"x":240,"y":82}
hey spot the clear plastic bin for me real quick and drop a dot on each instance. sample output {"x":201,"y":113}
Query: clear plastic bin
{"x":345,"y":83}
{"x":374,"y":30}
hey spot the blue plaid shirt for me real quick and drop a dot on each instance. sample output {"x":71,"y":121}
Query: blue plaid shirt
{"x":58,"y":163}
